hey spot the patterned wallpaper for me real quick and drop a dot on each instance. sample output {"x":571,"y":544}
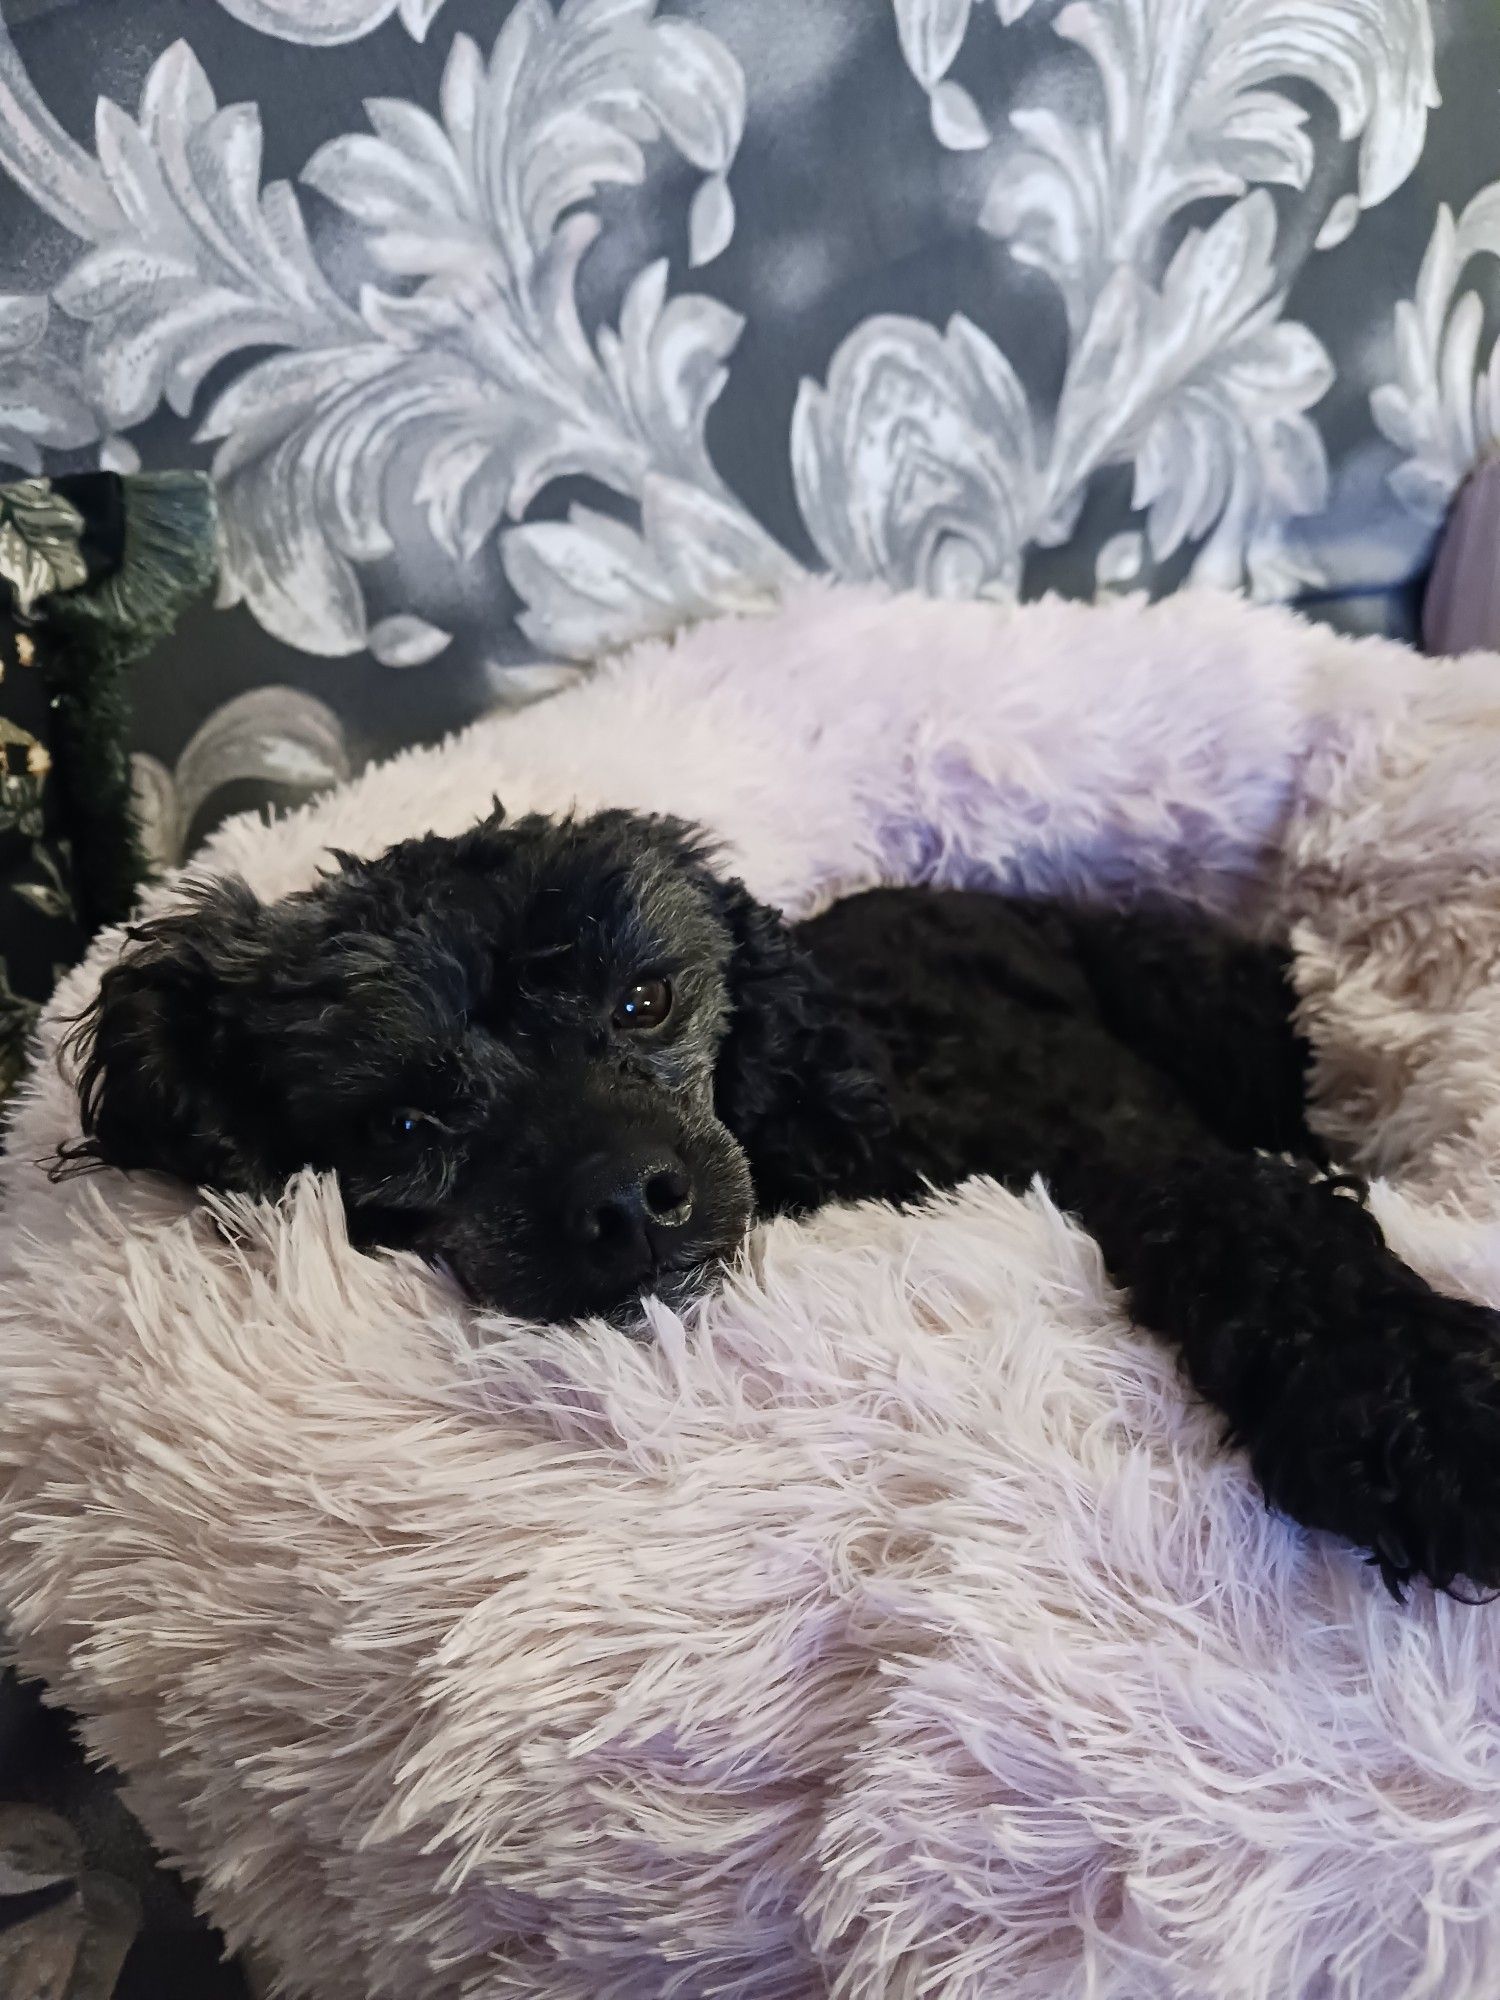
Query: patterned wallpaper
{"x":513,"y":329}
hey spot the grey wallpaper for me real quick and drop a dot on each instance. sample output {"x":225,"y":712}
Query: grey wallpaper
{"x":513,"y":329}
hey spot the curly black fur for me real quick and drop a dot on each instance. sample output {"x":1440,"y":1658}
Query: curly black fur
{"x":451,"y":1030}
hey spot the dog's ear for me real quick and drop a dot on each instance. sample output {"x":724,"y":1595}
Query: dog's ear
{"x":160,"y":1055}
{"x":791,"y":1083}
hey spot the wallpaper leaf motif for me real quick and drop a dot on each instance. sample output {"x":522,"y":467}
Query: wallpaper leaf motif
{"x":483,"y":288}
{"x":44,"y":158}
{"x":468,"y":358}
{"x":1198,"y":385}
{"x":321,"y":23}
{"x":1180,"y":364}
{"x":206,"y":264}
{"x":932,"y":33}
{"x":1191,"y":112}
{"x":948,"y":490}
{"x":483,"y":372}
{"x":1443,"y":409}
{"x":43,"y":403}
{"x":277,"y":735}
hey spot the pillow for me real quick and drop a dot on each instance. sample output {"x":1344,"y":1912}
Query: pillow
{"x":42,"y":552}
{"x":94,"y":569}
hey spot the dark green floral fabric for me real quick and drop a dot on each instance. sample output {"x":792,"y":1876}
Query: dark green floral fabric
{"x":95,"y":570}
{"x":45,"y":545}
{"x":41,"y":543}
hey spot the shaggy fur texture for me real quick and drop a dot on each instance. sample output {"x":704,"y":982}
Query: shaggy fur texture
{"x":559,"y":1058}
{"x":894,"y":1624}
{"x":455,"y":1029}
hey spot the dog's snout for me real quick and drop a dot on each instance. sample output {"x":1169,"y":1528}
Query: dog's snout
{"x":625,"y":1209}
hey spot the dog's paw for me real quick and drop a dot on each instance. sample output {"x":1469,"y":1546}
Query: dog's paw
{"x":1390,"y":1437}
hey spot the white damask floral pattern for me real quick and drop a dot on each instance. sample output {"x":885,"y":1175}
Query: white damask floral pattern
{"x":415,"y":388}
{"x":320,"y":23}
{"x":1443,"y":409}
{"x":1181,"y":365}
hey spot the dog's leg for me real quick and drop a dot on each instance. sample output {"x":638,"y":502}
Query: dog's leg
{"x":1209,"y":1009}
{"x":1368,"y":1402}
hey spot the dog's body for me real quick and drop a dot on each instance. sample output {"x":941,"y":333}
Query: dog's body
{"x":1019,"y":1039}
{"x":570,"y":1062}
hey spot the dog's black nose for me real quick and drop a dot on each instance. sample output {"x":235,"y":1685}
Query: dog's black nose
{"x":624,"y":1210}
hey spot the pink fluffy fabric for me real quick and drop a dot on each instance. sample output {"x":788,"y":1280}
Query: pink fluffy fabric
{"x":894,"y":1625}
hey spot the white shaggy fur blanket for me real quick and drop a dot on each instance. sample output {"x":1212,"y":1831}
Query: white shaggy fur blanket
{"x":896,"y":1626}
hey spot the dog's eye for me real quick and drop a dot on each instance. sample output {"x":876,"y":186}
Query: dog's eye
{"x":400,"y":1126}
{"x":644,"y":1005}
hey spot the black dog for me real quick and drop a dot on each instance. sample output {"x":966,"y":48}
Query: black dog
{"x":570,"y":1062}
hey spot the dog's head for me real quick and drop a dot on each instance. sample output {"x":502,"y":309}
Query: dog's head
{"x":546,"y":1054}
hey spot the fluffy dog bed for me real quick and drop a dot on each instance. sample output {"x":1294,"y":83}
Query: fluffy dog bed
{"x":896,"y":1626}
